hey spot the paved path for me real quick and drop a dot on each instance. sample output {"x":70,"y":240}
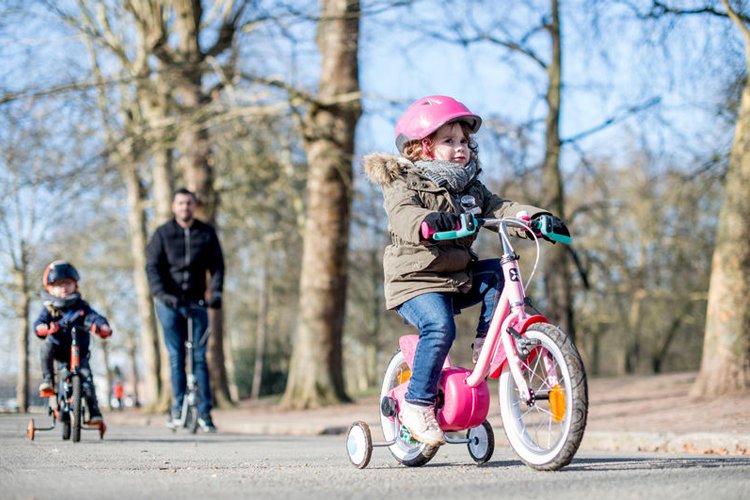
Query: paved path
{"x":650,"y":413}
{"x":151,"y":462}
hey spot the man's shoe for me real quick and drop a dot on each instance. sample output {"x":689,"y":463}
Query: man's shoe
{"x":476,"y":348}
{"x":173,"y":420}
{"x":421,"y":422}
{"x":47,"y":387}
{"x":205,"y":423}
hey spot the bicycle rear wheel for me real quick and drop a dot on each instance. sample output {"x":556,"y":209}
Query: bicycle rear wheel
{"x":546,"y":432}
{"x":408,"y":452}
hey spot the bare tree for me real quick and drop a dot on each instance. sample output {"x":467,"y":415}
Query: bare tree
{"x":316,"y":371}
{"x":725,"y":366}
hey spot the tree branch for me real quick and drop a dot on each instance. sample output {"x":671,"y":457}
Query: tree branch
{"x":740,"y":22}
{"x":613,"y":119}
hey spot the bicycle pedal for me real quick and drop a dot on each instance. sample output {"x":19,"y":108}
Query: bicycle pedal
{"x":406,"y":436}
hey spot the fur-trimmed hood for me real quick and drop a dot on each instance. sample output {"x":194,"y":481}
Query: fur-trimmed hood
{"x":384,"y":168}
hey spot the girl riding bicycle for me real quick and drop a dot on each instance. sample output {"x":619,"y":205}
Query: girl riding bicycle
{"x":427,"y":281}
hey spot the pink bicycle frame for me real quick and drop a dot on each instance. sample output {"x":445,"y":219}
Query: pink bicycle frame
{"x":499,"y":346}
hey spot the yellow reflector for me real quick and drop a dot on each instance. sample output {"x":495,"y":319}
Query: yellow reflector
{"x":404,"y":376}
{"x":557,"y":403}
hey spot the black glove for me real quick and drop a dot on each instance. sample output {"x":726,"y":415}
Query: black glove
{"x":442,"y":221}
{"x":551,"y":223}
{"x":170,"y":300}
{"x":215,"y":302}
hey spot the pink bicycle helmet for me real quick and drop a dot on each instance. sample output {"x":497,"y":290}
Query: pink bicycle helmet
{"x":428,"y":114}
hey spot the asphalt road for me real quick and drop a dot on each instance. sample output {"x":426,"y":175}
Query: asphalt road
{"x":151,"y":462}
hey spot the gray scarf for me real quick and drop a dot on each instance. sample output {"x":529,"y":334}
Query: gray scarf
{"x":448,"y":175}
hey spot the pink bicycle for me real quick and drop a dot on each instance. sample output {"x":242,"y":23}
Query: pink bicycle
{"x":542,"y":383}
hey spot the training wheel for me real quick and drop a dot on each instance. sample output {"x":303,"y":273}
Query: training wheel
{"x":30,"y":429}
{"x":359,"y":444}
{"x":102,"y":430}
{"x":482,"y":443}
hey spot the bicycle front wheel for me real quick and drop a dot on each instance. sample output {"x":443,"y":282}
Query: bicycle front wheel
{"x":191,"y":420}
{"x":406,"y":451}
{"x":546,"y":432}
{"x":76,"y":408}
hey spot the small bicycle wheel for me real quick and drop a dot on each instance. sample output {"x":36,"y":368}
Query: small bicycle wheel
{"x":191,"y":420}
{"x":30,"y":429}
{"x":406,"y":451}
{"x":76,"y":408}
{"x":546,"y":432}
{"x":359,"y":444}
{"x":482,"y":443}
{"x":65,"y":421}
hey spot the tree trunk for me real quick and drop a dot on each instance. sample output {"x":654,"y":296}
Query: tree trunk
{"x":316,"y":371}
{"x":22,"y":382}
{"x":163,"y":185}
{"x":107,"y":372}
{"x":149,"y":338}
{"x":557,"y":274}
{"x":260,"y":339}
{"x":725,"y":365}
{"x":133,"y":356}
{"x":162,"y":194}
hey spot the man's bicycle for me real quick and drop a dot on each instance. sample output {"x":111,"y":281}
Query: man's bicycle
{"x":542,"y":383}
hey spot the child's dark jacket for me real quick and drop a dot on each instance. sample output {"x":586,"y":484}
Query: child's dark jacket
{"x":76,"y":313}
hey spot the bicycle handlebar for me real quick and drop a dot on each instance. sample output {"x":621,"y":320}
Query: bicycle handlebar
{"x":469,"y":224}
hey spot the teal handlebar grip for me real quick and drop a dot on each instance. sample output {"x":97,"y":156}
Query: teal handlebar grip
{"x":468,"y":227}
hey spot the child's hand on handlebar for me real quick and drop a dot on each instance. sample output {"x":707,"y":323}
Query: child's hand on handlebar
{"x":437,"y":222}
{"x":102,"y":330}
{"x":544,"y":224}
{"x":44,"y":329}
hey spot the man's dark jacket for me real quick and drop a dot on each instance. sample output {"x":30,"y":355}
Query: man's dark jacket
{"x":177,"y":260}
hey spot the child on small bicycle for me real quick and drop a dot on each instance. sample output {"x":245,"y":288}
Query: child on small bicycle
{"x":428,"y":281}
{"x":63,"y":309}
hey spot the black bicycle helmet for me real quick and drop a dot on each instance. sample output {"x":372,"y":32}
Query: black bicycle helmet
{"x":58,"y":270}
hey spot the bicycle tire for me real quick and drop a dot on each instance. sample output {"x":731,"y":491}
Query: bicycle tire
{"x":65,"y":421}
{"x":482,"y":444}
{"x":191,"y":420}
{"x":408,"y":453}
{"x":546,"y":433}
{"x":76,"y":408}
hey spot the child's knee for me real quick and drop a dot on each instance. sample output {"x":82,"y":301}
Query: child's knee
{"x":440,"y":328}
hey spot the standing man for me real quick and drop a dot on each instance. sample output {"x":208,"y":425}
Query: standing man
{"x":178,"y":258}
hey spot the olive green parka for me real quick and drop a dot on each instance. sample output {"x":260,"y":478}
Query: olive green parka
{"x":413,"y":266}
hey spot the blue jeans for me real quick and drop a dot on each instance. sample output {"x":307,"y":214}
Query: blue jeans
{"x":175,"y":327}
{"x":432,"y":313}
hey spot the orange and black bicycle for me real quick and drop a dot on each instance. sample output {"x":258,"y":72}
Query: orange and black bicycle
{"x":67,"y":404}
